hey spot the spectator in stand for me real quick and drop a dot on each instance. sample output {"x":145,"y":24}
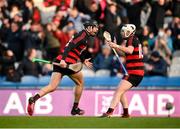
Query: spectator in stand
{"x":77,"y":18}
{"x":134,"y":8}
{"x":15,"y":9}
{"x":7,"y":69}
{"x":15,"y":2}
{"x":168,"y":34}
{"x":57,"y":21}
{"x":156,"y":65}
{"x":106,"y":60}
{"x":7,"y":59}
{"x":70,"y":30}
{"x":21,"y":29}
{"x":175,"y":27}
{"x":31,"y":13}
{"x":27,"y":67}
{"x":4,"y":30}
{"x":15,"y":41}
{"x":92,"y":8}
{"x":2,"y":49}
{"x":34,"y":38}
{"x":3,"y":9}
{"x":61,"y":16}
{"x":163,"y":46}
{"x":52,"y":44}
{"x":65,"y":34}
{"x":176,"y":24}
{"x":59,"y":3}
{"x":145,"y":13}
{"x":176,"y":8}
{"x":112,"y":20}
{"x":62,"y":36}
{"x":18,"y":18}
{"x":144,"y":39}
{"x":156,"y":19}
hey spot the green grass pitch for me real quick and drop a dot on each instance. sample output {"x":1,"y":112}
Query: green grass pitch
{"x":87,"y":122}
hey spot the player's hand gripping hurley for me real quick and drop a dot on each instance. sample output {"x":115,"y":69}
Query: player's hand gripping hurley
{"x":107,"y":37}
{"x":74,"y":67}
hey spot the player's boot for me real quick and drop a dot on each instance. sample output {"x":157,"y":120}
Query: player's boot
{"x":77,"y":111}
{"x":125,"y":116}
{"x":30,"y":108}
{"x":106,"y":115}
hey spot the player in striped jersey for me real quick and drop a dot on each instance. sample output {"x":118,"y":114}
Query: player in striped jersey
{"x":134,"y":66}
{"x":72,"y":54}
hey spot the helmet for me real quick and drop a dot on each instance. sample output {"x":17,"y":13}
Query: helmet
{"x":127,"y":30}
{"x":90,"y":23}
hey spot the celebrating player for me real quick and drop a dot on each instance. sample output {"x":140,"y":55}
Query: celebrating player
{"x":71,"y":55}
{"x":134,"y":66}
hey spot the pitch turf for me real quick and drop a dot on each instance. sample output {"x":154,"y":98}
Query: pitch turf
{"x":87,"y":122}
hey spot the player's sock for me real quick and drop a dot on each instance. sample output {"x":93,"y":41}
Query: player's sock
{"x":75,"y":105}
{"x":110,"y":110}
{"x":108,"y":113}
{"x":125,"y":113}
{"x":75,"y":110}
{"x":125,"y":110}
{"x":36,"y":97}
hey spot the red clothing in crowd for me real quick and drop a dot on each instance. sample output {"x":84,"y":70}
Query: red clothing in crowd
{"x":65,"y":3}
{"x":63,"y":39}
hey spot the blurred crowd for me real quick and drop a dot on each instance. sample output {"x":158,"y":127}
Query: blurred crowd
{"x":25,"y":33}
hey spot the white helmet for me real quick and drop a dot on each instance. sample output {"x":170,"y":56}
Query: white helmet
{"x":127,"y":30}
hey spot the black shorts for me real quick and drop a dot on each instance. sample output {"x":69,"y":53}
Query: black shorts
{"x":133,"y":79}
{"x":63,"y":71}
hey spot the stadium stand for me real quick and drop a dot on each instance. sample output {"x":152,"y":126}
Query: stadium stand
{"x":88,"y":73}
{"x":28,"y":81}
{"x":154,"y":82}
{"x":55,"y":17}
{"x":175,"y":67}
{"x":105,"y":73}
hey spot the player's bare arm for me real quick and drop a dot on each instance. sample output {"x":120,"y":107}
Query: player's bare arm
{"x":128,"y":50}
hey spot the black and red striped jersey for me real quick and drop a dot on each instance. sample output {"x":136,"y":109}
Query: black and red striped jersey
{"x":74,"y":48}
{"x":134,"y":61}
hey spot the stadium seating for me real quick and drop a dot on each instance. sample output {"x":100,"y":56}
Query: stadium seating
{"x":103,"y":72}
{"x":29,"y":82}
{"x":66,"y":82}
{"x":175,"y":67}
{"x":44,"y":80}
{"x":155,"y":82}
{"x":7,"y":85}
{"x":2,"y":78}
{"x":88,"y":73}
{"x":176,"y":53}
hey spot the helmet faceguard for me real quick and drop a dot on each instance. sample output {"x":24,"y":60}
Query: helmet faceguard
{"x":127,"y":30}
